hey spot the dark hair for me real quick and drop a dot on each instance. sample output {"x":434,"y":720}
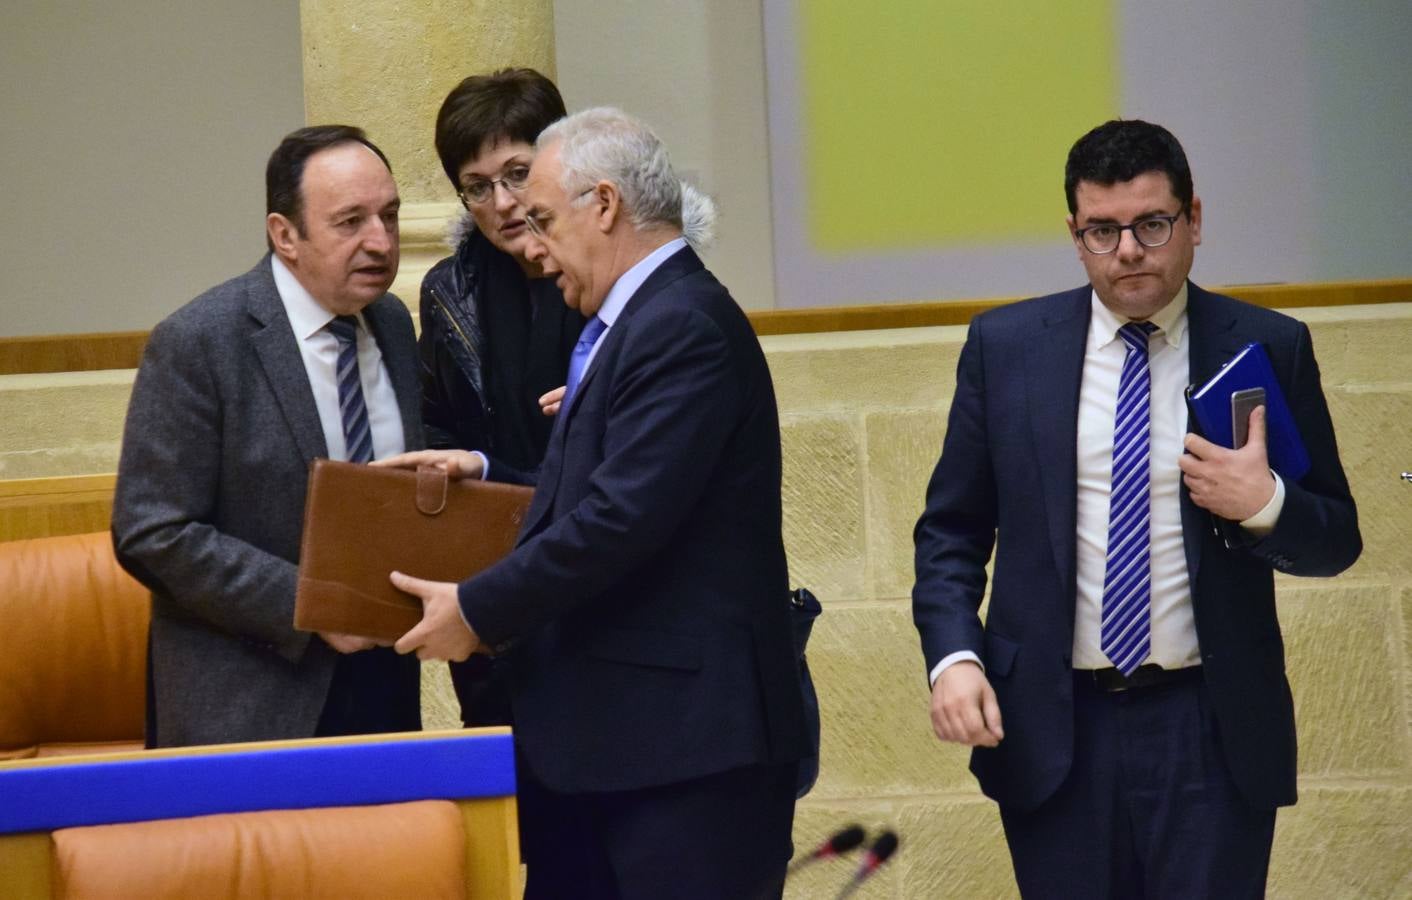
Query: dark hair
{"x":284,"y":173}
{"x":511,"y":104}
{"x":1121,"y":150}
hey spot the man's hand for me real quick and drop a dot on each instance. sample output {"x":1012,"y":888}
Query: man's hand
{"x":347,"y":643}
{"x":1233,"y":484}
{"x":549,"y":403}
{"x":442,"y":633}
{"x":455,"y":463}
{"x":964,"y":708}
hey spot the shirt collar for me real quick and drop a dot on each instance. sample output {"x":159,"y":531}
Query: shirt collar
{"x":623,"y":289}
{"x":306,"y":317}
{"x":1171,"y":319}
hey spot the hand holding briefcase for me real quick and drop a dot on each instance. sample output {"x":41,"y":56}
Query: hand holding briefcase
{"x":362,"y":522}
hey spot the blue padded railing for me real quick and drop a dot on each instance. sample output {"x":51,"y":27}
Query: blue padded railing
{"x":382,"y":770}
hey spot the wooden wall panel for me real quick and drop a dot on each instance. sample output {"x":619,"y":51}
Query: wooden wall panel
{"x":123,"y":350}
{"x":41,"y":507}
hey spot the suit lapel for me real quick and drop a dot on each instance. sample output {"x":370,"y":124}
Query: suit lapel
{"x":547,"y":484}
{"x":278,"y":352}
{"x":1053,"y":372}
{"x":677,"y":266}
{"x":401,"y":369}
{"x":1213,"y":340}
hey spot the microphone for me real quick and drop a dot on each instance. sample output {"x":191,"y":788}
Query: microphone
{"x":879,"y":853}
{"x":842,"y":841}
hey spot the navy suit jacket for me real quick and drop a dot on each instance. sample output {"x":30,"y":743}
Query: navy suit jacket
{"x":644,"y":611}
{"x":1007,"y":481}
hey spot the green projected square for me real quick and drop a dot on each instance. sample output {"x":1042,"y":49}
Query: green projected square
{"x":930,"y":122}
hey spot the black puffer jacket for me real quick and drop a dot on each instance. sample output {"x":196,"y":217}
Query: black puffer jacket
{"x":492,"y":342}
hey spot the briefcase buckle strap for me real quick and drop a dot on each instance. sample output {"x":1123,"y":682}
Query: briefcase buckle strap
{"x":431,"y":490}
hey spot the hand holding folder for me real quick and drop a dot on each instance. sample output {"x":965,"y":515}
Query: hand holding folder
{"x":361,"y":523}
{"x":1225,"y":484}
{"x":1226,"y":397}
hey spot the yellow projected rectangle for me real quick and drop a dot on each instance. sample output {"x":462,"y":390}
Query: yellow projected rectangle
{"x":930,"y":122}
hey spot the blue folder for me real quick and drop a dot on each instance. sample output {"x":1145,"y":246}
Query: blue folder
{"x":1211,"y":408}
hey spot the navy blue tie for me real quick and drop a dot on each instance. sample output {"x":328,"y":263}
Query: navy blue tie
{"x":1126,"y":630}
{"x":578,"y":360}
{"x":356,"y":433}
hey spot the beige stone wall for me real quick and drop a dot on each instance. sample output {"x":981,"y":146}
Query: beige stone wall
{"x":863,"y":415}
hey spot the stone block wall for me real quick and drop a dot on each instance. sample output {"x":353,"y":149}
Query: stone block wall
{"x":863,"y":415}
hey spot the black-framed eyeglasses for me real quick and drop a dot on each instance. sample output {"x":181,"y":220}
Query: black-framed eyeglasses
{"x":515,"y":179}
{"x":538,"y":222}
{"x":1153,"y":231}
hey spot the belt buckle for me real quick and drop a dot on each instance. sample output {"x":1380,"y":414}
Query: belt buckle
{"x":1111,"y":681}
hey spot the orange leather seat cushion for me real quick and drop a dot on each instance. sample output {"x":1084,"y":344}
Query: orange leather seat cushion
{"x":398,"y":850}
{"x":75,"y":627}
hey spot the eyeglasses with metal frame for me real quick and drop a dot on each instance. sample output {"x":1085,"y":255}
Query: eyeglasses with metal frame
{"x":539,"y":221}
{"x":515,"y":179}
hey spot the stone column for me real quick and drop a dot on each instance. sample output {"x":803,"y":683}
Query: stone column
{"x":385,"y":66}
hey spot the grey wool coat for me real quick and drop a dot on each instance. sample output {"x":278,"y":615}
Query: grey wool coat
{"x":209,"y":509}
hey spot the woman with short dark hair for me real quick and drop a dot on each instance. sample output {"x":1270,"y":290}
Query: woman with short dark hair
{"x":496,"y":335}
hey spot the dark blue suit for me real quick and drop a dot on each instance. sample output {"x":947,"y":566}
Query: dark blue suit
{"x":1008,"y":468}
{"x":644,"y":611}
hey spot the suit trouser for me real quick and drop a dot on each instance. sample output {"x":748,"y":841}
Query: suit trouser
{"x":1148,"y":809}
{"x":726,"y":835}
{"x":373,"y":691}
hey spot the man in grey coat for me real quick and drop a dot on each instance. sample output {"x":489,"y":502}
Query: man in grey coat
{"x":304,"y":356}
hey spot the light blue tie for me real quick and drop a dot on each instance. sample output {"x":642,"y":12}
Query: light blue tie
{"x":1126,"y":631}
{"x":578,"y":360}
{"x":356,"y":432}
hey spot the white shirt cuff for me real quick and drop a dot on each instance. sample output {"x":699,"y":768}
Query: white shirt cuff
{"x":484,"y":465}
{"x":952,"y":659}
{"x":1263,"y":522}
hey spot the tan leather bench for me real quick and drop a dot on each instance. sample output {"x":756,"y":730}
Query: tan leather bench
{"x":422,"y":814}
{"x":74,"y":663}
{"x":339,"y":824}
{"x":398,"y":850}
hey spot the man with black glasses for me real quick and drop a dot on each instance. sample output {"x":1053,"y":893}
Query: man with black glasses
{"x":1126,"y":694}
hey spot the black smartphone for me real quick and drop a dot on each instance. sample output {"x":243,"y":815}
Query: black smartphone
{"x":1243,"y":403}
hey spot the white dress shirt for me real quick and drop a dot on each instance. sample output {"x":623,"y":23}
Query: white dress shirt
{"x":1174,"y":643}
{"x":319,"y":350}
{"x":1173,"y":626}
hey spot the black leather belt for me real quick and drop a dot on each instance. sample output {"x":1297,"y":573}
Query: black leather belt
{"x":1111,"y":680}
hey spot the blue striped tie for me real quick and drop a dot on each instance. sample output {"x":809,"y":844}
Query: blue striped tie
{"x":578,"y":360}
{"x":356,"y":433}
{"x":1125,"y":635}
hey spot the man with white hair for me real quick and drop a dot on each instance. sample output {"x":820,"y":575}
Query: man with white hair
{"x":643,"y":612}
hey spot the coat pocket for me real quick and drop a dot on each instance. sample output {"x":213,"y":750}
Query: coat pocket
{"x":1000,"y":655}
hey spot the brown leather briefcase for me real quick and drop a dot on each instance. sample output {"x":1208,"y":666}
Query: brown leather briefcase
{"x":361,"y":523}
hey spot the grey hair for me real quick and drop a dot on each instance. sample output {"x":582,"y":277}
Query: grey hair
{"x":607,"y":144}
